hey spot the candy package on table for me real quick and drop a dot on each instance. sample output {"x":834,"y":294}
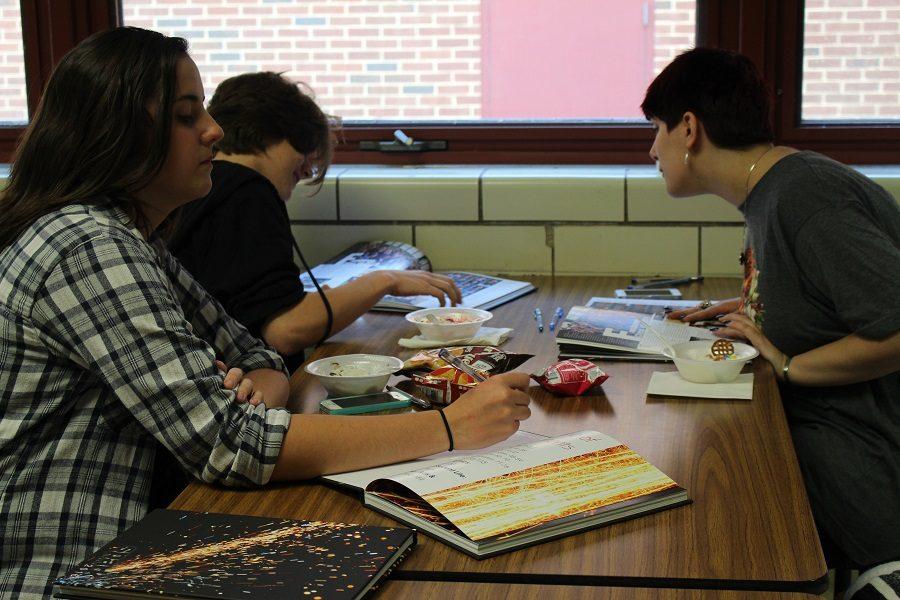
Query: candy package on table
{"x":572,"y":377}
{"x":487,"y":359}
{"x":442,"y":383}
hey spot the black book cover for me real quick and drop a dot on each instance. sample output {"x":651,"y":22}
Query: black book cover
{"x":179,"y":554}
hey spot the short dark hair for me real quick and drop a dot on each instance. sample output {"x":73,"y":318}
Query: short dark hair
{"x":259,"y":110}
{"x":93,"y":137}
{"x":723,"y":88}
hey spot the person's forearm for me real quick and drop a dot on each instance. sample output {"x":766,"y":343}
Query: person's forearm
{"x":321,"y":444}
{"x":273,"y":384}
{"x":304,"y":324}
{"x":849,"y":360}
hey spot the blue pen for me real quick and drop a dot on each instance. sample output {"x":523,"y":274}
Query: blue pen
{"x":539,"y":317}
{"x":557,"y":315}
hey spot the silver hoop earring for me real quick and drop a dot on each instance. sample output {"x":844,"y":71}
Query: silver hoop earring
{"x":686,"y":154}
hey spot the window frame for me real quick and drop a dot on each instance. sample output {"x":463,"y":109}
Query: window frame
{"x":764,"y":30}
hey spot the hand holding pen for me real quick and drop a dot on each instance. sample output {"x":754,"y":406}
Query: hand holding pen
{"x":557,"y":317}
{"x":539,"y":317}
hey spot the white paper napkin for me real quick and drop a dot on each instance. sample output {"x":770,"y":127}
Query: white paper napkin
{"x":486,"y":336}
{"x":670,"y":383}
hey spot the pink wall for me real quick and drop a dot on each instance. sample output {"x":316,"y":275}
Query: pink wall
{"x":528,"y":69}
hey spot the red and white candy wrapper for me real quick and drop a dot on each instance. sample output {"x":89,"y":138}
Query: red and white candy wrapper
{"x":572,"y":377}
{"x":443,"y":385}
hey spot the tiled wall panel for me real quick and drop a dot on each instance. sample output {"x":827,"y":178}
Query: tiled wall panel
{"x":553,"y":194}
{"x":485,"y":248}
{"x":626,"y":250}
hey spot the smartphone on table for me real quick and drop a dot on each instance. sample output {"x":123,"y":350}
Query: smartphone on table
{"x":390,"y":401}
{"x":650,"y":293}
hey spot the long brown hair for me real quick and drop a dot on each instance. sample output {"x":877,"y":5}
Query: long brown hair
{"x":101,"y":131}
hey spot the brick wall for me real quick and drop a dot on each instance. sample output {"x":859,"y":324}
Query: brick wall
{"x":13,"y":107}
{"x":851,"y":61}
{"x":376,"y":59}
{"x":396,"y":59}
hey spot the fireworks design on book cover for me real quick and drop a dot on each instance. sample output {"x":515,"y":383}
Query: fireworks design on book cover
{"x":225,"y":556}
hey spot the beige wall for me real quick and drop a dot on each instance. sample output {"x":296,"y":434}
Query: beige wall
{"x":518,"y":219}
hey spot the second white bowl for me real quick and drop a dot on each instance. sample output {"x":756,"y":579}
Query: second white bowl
{"x":452,"y":323}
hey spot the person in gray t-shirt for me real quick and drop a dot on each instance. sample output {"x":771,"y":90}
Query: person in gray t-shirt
{"x":821,"y":293}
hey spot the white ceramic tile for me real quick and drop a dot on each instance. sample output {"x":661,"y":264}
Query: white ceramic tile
{"x":321,"y":242}
{"x":720,"y":250}
{"x":409,"y":193}
{"x":553,"y":193}
{"x":485,"y":248}
{"x":313,"y":203}
{"x":648,"y":200}
{"x":626,"y":250}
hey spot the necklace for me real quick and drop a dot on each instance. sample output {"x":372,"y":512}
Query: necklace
{"x":753,"y":166}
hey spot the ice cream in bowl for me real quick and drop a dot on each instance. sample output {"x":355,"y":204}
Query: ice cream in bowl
{"x":448,"y":323}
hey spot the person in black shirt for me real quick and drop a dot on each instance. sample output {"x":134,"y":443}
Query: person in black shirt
{"x":237,"y":241}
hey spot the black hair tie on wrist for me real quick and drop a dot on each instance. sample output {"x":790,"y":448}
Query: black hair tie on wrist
{"x":447,"y":425}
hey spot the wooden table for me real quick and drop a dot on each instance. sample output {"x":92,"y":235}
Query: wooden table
{"x":749,"y":526}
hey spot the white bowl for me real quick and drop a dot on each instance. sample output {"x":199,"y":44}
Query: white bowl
{"x":691,"y":359}
{"x":445,"y":330}
{"x":353,"y":374}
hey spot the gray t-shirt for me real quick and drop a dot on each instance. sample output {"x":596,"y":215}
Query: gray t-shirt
{"x":823,"y":262}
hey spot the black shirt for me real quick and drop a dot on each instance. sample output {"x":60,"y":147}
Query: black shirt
{"x":237,"y":243}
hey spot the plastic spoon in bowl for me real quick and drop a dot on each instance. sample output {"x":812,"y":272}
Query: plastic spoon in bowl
{"x":432,"y":319}
{"x":659,"y":336}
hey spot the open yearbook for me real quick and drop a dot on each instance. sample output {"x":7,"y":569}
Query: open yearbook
{"x":180,"y":554}
{"x":478,"y":291}
{"x":613,"y":329}
{"x":487,"y":504}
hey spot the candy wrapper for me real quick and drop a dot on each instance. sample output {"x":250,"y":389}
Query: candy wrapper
{"x":487,"y":359}
{"x":572,"y":377}
{"x":442,"y":384}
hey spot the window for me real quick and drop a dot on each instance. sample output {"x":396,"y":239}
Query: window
{"x":518,"y":98}
{"x":13,"y":101}
{"x":440,"y":60}
{"x":851,"y":61}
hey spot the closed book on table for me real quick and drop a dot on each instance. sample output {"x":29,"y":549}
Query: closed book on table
{"x":487,"y":504}
{"x":180,"y":554}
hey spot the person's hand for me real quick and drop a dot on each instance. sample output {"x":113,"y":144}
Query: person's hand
{"x":740,"y":326}
{"x":490,"y":413}
{"x":705,"y":310}
{"x":235,"y":380}
{"x":422,"y":283}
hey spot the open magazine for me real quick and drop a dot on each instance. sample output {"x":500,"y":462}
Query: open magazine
{"x":613,"y":329}
{"x":478,"y":291}
{"x":490,"y":503}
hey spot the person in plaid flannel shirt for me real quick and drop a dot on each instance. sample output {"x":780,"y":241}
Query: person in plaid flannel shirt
{"x":109,"y":350}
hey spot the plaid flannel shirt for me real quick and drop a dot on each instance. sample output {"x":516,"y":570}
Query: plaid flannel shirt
{"x":107,"y":349}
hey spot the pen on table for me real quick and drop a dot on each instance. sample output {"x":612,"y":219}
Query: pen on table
{"x":557,"y":315}
{"x":540,"y":320}
{"x":461,"y":365}
{"x":417,"y":401}
{"x":666,"y":282}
